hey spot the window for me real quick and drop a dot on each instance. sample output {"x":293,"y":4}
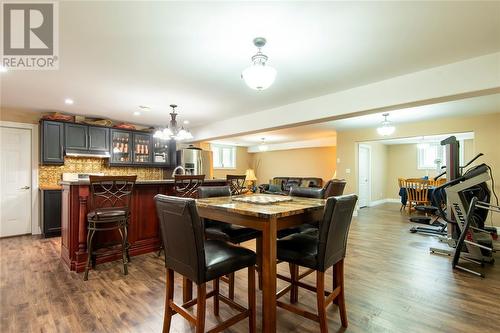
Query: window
{"x":433,"y":155}
{"x":224,"y":157}
{"x":430,"y":155}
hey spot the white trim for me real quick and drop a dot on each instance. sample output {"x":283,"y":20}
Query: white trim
{"x":362,"y":145}
{"x":383,"y":201}
{"x":314,"y":143}
{"x":35,"y":209}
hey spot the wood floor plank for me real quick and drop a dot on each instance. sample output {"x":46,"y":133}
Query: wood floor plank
{"x":392,"y":284}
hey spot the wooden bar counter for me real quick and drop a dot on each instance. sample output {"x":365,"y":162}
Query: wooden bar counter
{"x":143,"y":231}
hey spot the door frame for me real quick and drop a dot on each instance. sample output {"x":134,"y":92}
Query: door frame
{"x":369,"y":199}
{"x":35,"y":210}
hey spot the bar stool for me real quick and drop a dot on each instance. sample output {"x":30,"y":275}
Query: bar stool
{"x":186,"y":186}
{"x":236,"y":183}
{"x":201,"y":261}
{"x":110,"y":198}
{"x":225,"y":231}
{"x":319,"y":252}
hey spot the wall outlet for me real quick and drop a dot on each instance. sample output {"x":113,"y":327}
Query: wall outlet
{"x":347,"y":170}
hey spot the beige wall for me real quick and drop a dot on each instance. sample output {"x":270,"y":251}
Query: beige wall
{"x":20,"y":115}
{"x":486,"y":140}
{"x":402,"y":162}
{"x":305,"y":162}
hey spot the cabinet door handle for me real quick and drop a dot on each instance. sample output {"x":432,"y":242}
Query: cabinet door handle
{"x":62,"y":151}
{"x":25,"y":188}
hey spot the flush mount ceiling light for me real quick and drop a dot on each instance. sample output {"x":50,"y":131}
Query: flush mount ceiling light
{"x":69,"y":101}
{"x":172,"y":130}
{"x":386,"y":128}
{"x":259,"y":75}
{"x":263,"y":146}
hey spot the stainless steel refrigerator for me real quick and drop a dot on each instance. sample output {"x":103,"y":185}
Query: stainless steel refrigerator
{"x":196,"y":161}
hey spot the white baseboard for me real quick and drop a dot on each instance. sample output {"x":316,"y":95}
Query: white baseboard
{"x":383,"y":201}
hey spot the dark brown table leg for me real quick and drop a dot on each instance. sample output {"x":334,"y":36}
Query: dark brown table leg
{"x":269,"y":277}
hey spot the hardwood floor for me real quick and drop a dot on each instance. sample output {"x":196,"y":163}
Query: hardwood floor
{"x":392,"y":284}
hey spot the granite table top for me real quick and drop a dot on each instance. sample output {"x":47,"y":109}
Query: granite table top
{"x":297,"y":205}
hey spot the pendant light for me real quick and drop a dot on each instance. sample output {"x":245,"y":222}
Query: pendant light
{"x":386,"y":128}
{"x":259,"y":75}
{"x":172,"y":130}
{"x":263,"y":146}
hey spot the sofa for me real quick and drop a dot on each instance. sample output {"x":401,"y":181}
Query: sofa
{"x":282,"y":185}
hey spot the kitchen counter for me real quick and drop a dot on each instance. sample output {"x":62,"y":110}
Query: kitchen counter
{"x":143,"y":230}
{"x":144,"y":182}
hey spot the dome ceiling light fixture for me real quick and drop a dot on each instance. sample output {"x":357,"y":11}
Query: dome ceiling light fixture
{"x":386,"y":128}
{"x":259,"y":75}
{"x":172,"y":130}
{"x":263,"y":146}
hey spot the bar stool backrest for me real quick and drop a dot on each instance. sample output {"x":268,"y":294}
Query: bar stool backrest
{"x":213,"y":191}
{"x":186,"y":186}
{"x":111,"y":192}
{"x":334,"y":230}
{"x":236,"y":183}
{"x":182,"y":236}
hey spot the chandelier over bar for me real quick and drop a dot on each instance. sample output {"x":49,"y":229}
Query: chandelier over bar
{"x":172,"y":130}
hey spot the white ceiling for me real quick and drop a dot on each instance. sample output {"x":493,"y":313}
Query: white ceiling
{"x":115,"y":56}
{"x":470,"y":106}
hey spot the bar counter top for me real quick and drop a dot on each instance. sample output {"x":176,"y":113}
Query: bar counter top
{"x":142,"y":182}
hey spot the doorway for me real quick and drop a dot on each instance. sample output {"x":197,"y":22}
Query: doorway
{"x":364,"y":172}
{"x":15,"y":181}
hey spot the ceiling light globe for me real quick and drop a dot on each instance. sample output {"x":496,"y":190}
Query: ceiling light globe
{"x":263,"y":147}
{"x":386,"y":130}
{"x":259,"y":76}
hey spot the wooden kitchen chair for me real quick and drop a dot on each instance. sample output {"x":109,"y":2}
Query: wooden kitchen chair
{"x":417,"y":193}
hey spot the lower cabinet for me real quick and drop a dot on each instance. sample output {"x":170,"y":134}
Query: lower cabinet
{"x":51,"y":213}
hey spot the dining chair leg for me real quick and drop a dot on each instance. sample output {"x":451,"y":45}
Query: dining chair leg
{"x":231,"y":286}
{"x":201,"y":308}
{"x":90,"y":238}
{"x":335,"y":282}
{"x":320,"y":297}
{"x":125,"y":232}
{"x":216,"y":297}
{"x":294,"y":274}
{"x":187,"y":289}
{"x":251,"y":300}
{"x":169,"y":296}
{"x":341,"y":300}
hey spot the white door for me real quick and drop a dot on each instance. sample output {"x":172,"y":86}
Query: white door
{"x":15,"y":181}
{"x":364,"y":176}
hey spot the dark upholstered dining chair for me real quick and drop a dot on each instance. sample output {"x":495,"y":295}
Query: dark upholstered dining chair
{"x":110,"y":198}
{"x":319,"y":252}
{"x":201,"y":261}
{"x":225,"y":231}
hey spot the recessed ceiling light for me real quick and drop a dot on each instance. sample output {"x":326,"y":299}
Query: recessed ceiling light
{"x":69,"y":101}
{"x":185,"y":122}
{"x":3,"y":69}
{"x":137,"y":113}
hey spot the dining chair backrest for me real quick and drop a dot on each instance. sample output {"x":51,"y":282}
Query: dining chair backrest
{"x":111,"y":192}
{"x":182,"y":235}
{"x":213,"y":191}
{"x":436,"y":183}
{"x":334,"y":229}
{"x":334,"y":187}
{"x":236,"y":183}
{"x":186,"y":186}
{"x":417,"y":191}
{"x":307,"y":192}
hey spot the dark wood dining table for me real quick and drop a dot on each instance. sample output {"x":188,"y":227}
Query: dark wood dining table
{"x":268,"y":218}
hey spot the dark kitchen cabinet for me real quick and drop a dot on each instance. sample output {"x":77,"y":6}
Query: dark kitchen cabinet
{"x":121,"y":151}
{"x":86,"y":138}
{"x":98,"y":138}
{"x":51,"y":213}
{"x":76,"y":136}
{"x":52,"y":142}
{"x":142,"y":148}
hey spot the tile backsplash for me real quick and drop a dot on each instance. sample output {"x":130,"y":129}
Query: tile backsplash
{"x":50,"y":175}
